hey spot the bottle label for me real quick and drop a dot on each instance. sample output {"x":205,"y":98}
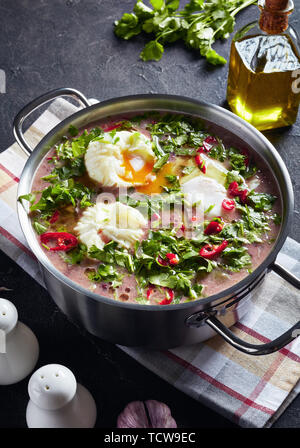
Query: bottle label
{"x":268,"y":54}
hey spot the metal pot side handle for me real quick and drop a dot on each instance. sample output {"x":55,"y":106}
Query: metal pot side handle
{"x":197,"y":320}
{"x":33,"y":105}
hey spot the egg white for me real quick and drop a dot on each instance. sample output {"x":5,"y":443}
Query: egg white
{"x":104,"y":158}
{"x":116,"y":221}
{"x":206,"y":192}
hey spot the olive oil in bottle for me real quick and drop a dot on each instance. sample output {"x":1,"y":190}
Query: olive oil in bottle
{"x":264,"y":71}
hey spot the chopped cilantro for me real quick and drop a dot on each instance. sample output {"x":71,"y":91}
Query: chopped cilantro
{"x":236,"y":258}
{"x":234,"y":176}
{"x":188,"y":170}
{"x":105,"y":273}
{"x":73,"y":131}
{"x":218,"y":152}
{"x":277,"y":219}
{"x":261,"y":201}
{"x":59,"y":194}
{"x":238,"y":163}
{"x":76,"y":255}
{"x":39,"y":227}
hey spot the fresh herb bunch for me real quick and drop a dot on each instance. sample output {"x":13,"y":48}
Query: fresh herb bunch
{"x":199,"y":25}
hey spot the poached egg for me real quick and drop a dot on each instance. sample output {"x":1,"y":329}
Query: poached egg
{"x":120,"y":159}
{"x":114,"y":221}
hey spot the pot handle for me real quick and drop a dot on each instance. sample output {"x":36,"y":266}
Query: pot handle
{"x":209,"y":317}
{"x":33,"y":105}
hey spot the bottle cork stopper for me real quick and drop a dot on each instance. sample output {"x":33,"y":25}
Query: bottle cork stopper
{"x":276,"y":5}
{"x":274,"y":18}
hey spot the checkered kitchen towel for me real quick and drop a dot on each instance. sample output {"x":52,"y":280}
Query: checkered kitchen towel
{"x":251,"y":391}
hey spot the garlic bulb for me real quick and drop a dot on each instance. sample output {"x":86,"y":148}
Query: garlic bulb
{"x":148,"y":414}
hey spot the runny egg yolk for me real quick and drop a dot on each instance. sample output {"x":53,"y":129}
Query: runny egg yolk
{"x":140,"y":171}
{"x":136,"y":168}
{"x":158,"y":181}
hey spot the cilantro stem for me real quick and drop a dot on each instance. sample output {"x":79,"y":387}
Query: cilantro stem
{"x":244,"y":5}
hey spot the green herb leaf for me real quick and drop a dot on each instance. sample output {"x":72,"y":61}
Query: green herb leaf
{"x":105,"y":273}
{"x":236,"y":258}
{"x":76,"y":255}
{"x":161,"y":162}
{"x":261,"y":201}
{"x":62,"y":194}
{"x":73,"y":131}
{"x":128,"y":26}
{"x":234,"y":176}
{"x":157,"y":4}
{"x":153,"y":50}
{"x":39,"y":228}
{"x":277,"y":219}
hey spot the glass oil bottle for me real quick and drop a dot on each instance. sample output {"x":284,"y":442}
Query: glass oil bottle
{"x":264,"y":71}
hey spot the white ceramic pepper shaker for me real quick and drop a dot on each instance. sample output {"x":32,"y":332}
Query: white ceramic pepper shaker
{"x":57,"y":401}
{"x":19,"y":348}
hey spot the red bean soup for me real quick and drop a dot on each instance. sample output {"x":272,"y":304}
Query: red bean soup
{"x":154,"y":208}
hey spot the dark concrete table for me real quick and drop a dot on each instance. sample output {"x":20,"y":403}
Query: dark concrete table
{"x":53,"y":43}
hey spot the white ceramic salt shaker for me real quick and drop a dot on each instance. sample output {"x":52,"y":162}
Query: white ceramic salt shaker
{"x":19,"y":348}
{"x":57,"y":401}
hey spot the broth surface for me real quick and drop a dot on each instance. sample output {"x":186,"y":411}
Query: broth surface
{"x":180,"y":167}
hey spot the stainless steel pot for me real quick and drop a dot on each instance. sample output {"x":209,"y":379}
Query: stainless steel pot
{"x":157,"y":326}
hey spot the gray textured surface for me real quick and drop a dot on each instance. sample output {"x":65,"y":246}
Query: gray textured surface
{"x":53,"y":43}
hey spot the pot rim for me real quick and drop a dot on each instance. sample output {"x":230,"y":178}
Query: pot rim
{"x":288,"y":206}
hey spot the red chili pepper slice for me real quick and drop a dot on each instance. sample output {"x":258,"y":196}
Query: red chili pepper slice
{"x":173,"y":258}
{"x":209,"y":251}
{"x":165,"y":301}
{"x":161,"y":261}
{"x":233,"y":190}
{"x":169,"y":298}
{"x":213,"y":227}
{"x":209,"y":142}
{"x":112,"y":127}
{"x":228,"y":204}
{"x":65,"y":241}
{"x":198,"y":159}
{"x":54,"y":217}
{"x":149,"y":292}
{"x":170,"y":255}
{"x":200,"y":163}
